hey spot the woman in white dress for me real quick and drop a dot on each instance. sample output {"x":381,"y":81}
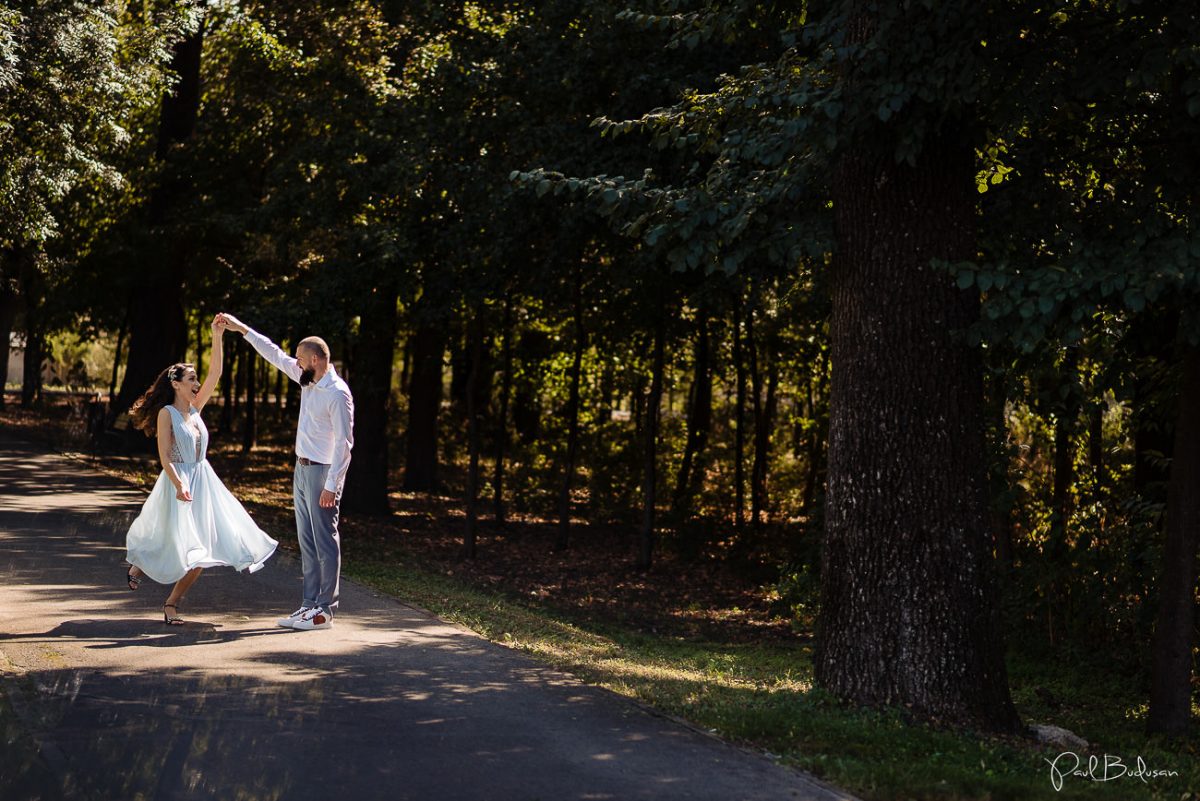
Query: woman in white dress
{"x":190,"y":521}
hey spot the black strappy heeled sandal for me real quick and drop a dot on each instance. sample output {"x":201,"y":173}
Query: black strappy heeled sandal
{"x":132,"y":580}
{"x":172,"y":620}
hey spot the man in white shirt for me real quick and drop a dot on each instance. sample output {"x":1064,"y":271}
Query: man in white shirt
{"x":324,"y":438}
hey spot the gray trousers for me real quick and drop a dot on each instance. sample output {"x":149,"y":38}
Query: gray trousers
{"x":320,"y":543}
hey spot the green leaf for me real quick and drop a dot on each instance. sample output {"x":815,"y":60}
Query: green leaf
{"x":965,"y":279}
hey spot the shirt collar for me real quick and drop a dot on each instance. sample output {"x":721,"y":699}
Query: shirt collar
{"x":330,"y":376}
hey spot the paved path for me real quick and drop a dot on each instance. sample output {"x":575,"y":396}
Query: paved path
{"x":102,"y":701}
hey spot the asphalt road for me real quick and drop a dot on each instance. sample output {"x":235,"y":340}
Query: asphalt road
{"x":102,"y":701}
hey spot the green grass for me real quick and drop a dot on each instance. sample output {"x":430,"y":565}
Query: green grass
{"x":761,"y":695}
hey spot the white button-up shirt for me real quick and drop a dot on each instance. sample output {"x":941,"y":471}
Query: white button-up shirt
{"x":325,"y":431}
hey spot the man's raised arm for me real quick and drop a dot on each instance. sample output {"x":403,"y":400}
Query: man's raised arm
{"x":268,"y":349}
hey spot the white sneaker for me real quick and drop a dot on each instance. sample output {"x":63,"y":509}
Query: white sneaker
{"x":315,"y":618}
{"x":290,"y":621}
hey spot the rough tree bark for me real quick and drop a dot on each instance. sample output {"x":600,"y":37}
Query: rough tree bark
{"x":1171,"y":676}
{"x":908,"y":606}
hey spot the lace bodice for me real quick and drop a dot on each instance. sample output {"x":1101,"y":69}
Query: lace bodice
{"x":190,"y":436}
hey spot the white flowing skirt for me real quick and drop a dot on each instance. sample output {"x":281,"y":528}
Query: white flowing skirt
{"x":170,"y":536}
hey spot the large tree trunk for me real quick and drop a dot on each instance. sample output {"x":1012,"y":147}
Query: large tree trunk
{"x":366,"y":488}
{"x":1171,"y":677}
{"x":31,"y":296}
{"x":424,"y":402}
{"x":650,"y":457}
{"x":908,"y":607}
{"x":157,"y":330}
{"x":568,"y":477}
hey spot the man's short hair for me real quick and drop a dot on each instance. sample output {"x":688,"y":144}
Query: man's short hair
{"x":316,"y":345}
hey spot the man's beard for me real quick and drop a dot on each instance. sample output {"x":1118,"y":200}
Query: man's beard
{"x":306,"y":377}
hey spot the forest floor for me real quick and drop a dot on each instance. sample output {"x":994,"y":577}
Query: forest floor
{"x":703,"y":639}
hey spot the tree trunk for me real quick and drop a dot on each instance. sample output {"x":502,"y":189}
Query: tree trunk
{"x":502,"y":418}
{"x":818,"y":434}
{"x":8,"y":317}
{"x":699,"y":421}
{"x":31,"y":296}
{"x":157,"y":330}
{"x":908,"y":608}
{"x":1064,"y":446}
{"x":227,"y":377}
{"x":739,"y":418}
{"x":200,"y":347}
{"x":424,"y":402}
{"x":1096,"y":442}
{"x":249,"y":367}
{"x":112,"y":384}
{"x":650,"y":459}
{"x":1171,"y":677}
{"x":568,"y":477}
{"x":31,"y":386}
{"x":239,"y":383}
{"x":366,"y":488}
{"x":475,"y":359}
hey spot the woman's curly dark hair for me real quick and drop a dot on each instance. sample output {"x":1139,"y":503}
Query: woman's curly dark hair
{"x":144,"y":411}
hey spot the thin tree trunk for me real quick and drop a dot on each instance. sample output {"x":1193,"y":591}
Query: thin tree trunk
{"x":424,"y":402}
{"x":406,"y":364}
{"x":568,"y":477}
{"x":249,"y":366}
{"x":816,"y":447}
{"x":239,"y":384}
{"x":200,"y":347}
{"x":8,"y":317}
{"x":909,"y":616}
{"x":367,"y":480}
{"x":650,"y":458}
{"x":1064,"y":446}
{"x":739,"y":418}
{"x":699,"y":421}
{"x":502,"y":421}
{"x":278,"y":391}
{"x":229,"y":360}
{"x":475,"y":356}
{"x":1096,"y":442}
{"x":1174,"y":630}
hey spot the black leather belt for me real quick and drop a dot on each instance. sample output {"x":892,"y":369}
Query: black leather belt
{"x":310,"y":462}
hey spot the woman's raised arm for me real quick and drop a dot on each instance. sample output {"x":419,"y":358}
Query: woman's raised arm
{"x":216,"y":364}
